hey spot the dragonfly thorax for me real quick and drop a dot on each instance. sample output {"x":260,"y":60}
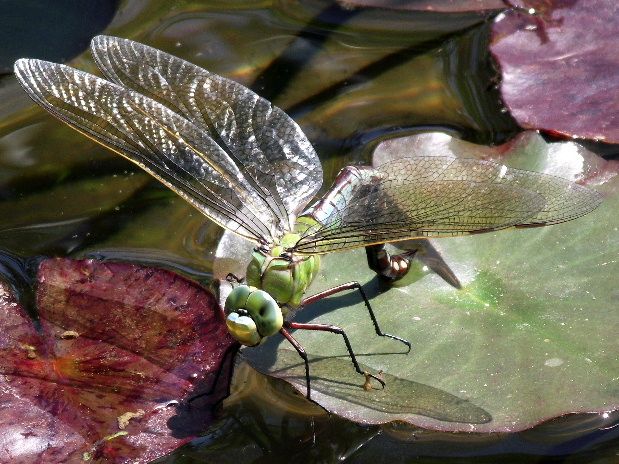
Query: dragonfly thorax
{"x":281,"y":273}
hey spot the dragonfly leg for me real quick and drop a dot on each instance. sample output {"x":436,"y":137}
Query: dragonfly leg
{"x":356,"y":286}
{"x":336,"y":330}
{"x":301,"y":351}
{"x":232,"y":278}
{"x":227,"y":365}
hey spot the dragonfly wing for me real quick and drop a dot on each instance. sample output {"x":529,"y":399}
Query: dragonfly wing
{"x":264,"y":141}
{"x":155,"y":138}
{"x":437,"y":196}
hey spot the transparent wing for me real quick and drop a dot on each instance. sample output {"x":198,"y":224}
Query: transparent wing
{"x":166,"y":145}
{"x":266,"y":143}
{"x":441,"y":196}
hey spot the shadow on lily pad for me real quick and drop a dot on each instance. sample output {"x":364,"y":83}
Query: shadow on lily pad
{"x":335,"y":377}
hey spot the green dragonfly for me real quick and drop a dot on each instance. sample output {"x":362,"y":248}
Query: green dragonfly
{"x":246,"y":165}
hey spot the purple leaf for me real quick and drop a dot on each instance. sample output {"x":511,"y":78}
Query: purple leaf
{"x":559,"y":67}
{"x":104,"y":373}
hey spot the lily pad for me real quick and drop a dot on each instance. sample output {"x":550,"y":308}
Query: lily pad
{"x":530,"y":336}
{"x":103,"y":373}
{"x":559,"y":69}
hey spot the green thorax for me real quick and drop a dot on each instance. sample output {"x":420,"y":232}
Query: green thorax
{"x":285,"y":277}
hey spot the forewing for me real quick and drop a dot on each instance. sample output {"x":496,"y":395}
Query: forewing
{"x":157,"y":139}
{"x":442,"y":196}
{"x":266,"y":143}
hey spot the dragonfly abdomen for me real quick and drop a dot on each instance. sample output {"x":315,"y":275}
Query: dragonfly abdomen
{"x":391,"y":267}
{"x":346,"y":185}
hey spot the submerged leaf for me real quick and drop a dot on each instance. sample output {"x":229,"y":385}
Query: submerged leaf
{"x":529,"y":336}
{"x":103,"y":373}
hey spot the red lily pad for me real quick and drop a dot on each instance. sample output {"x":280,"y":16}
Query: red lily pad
{"x":559,"y":67}
{"x":442,"y":6}
{"x":106,"y":371}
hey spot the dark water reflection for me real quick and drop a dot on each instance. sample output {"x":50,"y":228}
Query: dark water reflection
{"x":55,"y":33}
{"x":350,"y":78}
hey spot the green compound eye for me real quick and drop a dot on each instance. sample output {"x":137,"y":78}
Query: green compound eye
{"x":265,"y":312}
{"x":252,"y":315}
{"x":243,"y":329}
{"x":237,"y":298}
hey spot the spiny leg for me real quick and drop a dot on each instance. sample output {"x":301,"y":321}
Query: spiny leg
{"x":324,"y":328}
{"x":355,"y":286}
{"x":301,"y":351}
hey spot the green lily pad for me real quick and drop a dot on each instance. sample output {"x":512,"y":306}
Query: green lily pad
{"x":530,"y":336}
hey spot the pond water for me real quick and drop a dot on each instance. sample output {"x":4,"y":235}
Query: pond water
{"x":350,"y":78}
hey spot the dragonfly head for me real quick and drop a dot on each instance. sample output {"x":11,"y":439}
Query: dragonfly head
{"x":252,"y":315}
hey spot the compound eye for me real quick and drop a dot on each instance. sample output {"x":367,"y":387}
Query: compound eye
{"x":252,"y":315}
{"x":243,"y":329}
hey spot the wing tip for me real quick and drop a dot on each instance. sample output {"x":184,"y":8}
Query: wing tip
{"x":24,"y":69}
{"x":590,"y":199}
{"x":104,"y":38}
{"x":23,"y":65}
{"x":99,"y":43}
{"x":596,"y":199}
{"x":103,"y":41}
{"x":27,"y":69}
{"x":27,"y":64}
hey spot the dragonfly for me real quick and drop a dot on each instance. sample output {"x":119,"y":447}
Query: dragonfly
{"x":247,"y":166}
